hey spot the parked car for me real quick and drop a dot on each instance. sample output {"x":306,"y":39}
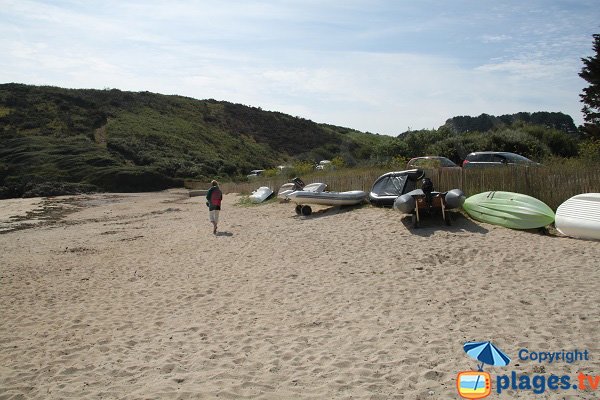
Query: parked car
{"x":431,"y":162}
{"x":481,"y":159}
{"x":255,"y":172}
{"x":323,"y":164}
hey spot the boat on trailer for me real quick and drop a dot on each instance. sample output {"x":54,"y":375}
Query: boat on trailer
{"x":427,"y":201}
{"x":303,"y":198}
{"x":297,"y":184}
{"x":389,"y":186}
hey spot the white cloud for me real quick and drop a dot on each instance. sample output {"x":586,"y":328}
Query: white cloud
{"x":343,"y":62}
{"x":520,"y":69}
{"x":495,"y":38}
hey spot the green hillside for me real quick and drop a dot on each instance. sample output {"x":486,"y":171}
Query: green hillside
{"x":58,"y":140}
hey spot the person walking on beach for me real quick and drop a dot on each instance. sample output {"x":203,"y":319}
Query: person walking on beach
{"x":214,"y":197}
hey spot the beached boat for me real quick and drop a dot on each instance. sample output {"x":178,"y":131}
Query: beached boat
{"x":579,"y":216}
{"x":389,"y":186}
{"x":420,"y":201}
{"x":284,"y":190}
{"x":508,"y":209}
{"x":260,"y":194}
{"x":297,"y":185}
{"x":302,"y":198}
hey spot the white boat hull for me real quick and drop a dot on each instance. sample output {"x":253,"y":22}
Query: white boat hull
{"x":260,"y":194}
{"x":579,"y":216}
{"x":328,"y":198}
{"x":288,"y":188}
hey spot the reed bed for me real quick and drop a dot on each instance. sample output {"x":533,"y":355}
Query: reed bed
{"x":552,"y":184}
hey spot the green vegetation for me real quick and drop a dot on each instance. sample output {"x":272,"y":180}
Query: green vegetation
{"x":58,"y":140}
{"x":485,"y":122}
{"x":63,"y":141}
{"x":533,"y":141}
{"x":591,"y":95}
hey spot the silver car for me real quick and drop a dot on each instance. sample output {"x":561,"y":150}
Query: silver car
{"x":481,"y":159}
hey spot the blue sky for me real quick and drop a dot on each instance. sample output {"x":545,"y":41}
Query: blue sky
{"x":373,"y":65}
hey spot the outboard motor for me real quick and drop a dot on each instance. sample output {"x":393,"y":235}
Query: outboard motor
{"x":427,"y":188}
{"x":298,"y":183}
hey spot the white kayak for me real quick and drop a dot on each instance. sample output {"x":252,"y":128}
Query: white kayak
{"x":260,"y":194}
{"x":579,"y":216}
{"x":328,"y":198}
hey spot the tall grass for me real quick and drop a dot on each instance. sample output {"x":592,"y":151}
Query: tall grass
{"x":552,"y":183}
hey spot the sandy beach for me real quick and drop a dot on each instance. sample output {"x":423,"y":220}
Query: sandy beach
{"x":131,"y":296}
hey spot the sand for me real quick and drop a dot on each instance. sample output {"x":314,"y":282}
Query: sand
{"x":130,"y":296}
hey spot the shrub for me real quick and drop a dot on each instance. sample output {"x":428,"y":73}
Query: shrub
{"x":519,"y":142}
{"x":271,"y":172}
{"x":590,"y":150}
{"x":301,"y":168}
{"x":560,"y":143}
{"x":338,"y":162}
{"x":132,"y":180}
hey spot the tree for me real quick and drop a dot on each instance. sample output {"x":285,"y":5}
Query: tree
{"x":390,"y":147}
{"x":591,"y":95}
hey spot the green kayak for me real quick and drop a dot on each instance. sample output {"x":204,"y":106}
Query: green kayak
{"x":511,"y":210}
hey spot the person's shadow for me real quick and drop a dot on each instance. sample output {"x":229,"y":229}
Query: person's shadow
{"x":228,"y":234}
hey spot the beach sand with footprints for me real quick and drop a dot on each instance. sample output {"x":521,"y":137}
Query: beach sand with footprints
{"x":131,"y":296}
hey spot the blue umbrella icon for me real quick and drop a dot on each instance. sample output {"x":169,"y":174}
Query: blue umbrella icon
{"x":487,"y":353}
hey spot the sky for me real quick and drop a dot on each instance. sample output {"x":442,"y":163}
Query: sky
{"x":381,"y":66}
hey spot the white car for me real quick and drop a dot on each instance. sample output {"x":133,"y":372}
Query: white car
{"x":255,"y":173}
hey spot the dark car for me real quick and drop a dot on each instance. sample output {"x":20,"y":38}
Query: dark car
{"x":431,"y":162}
{"x":481,"y":159}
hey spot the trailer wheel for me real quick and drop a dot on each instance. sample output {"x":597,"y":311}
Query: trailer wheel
{"x":306,"y":210}
{"x":298,"y":209}
{"x":447,"y":219}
